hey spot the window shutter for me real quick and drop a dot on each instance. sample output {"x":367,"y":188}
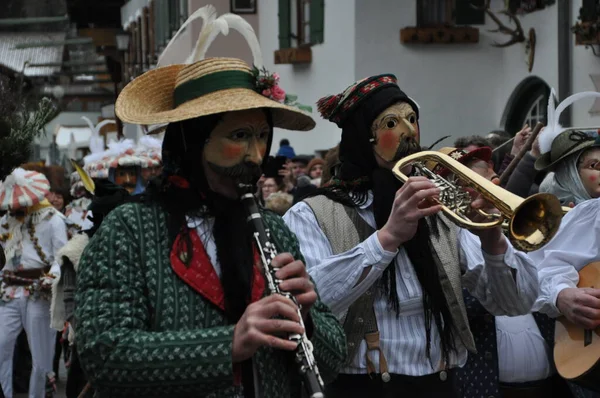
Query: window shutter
{"x":285,"y":21}
{"x":465,"y":14}
{"x":317,"y":21}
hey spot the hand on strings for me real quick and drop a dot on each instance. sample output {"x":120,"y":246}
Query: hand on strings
{"x":415,"y":200}
{"x":295,"y":280}
{"x":520,"y":140}
{"x":580,"y":306}
{"x":492,"y":239}
{"x":260,"y":325}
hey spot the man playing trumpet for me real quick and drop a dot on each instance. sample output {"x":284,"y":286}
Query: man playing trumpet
{"x":389,"y":265}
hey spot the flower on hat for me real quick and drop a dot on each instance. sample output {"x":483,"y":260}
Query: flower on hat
{"x":278,"y":94}
{"x":267,"y":84}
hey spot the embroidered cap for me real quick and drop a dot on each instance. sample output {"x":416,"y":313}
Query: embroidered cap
{"x":23,"y":189}
{"x":336,"y":108}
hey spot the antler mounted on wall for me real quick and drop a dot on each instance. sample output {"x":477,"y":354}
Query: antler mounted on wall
{"x":517,"y":34}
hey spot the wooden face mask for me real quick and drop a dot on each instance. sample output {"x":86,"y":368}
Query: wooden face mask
{"x":396,"y":132}
{"x":238,"y":141}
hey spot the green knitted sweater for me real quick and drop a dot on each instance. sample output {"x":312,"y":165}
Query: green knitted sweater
{"x":142,"y":331}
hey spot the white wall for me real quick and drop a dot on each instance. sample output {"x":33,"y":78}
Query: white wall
{"x":584,"y":64}
{"x":330,"y":72}
{"x":462,"y":89}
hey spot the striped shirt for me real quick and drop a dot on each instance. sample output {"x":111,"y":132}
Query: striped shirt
{"x":403,"y":340}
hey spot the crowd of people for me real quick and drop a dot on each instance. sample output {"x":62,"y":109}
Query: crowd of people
{"x":164,"y":279}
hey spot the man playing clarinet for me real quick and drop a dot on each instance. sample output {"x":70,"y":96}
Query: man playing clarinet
{"x":171,"y":294}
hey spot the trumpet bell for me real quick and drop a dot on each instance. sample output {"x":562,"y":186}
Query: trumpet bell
{"x":535,"y":222}
{"x":532,"y":222}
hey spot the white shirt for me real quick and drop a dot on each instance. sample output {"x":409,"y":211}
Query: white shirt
{"x":523,"y":354}
{"x":204,"y":229}
{"x":403,"y":339}
{"x":51,"y":233}
{"x":574,"y":246}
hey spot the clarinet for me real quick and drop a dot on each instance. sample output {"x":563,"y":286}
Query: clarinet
{"x":303,"y":355}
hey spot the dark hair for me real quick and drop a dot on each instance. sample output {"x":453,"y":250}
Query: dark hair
{"x":476,"y":140}
{"x":284,"y":141}
{"x":497,"y":138}
{"x":305,"y":160}
{"x":278,"y":181}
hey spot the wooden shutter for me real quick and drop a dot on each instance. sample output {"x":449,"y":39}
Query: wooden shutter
{"x":317,"y":21}
{"x":285,"y":21}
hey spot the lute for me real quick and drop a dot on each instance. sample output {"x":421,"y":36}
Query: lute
{"x":577,"y":350}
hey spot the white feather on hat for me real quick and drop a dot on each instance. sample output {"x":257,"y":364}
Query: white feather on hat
{"x":553,"y":128}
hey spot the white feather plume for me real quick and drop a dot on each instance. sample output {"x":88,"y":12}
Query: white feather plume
{"x":96,"y":142}
{"x":89,"y":122}
{"x":207,"y":13}
{"x":17,"y":177}
{"x":238,"y":23}
{"x":94,"y":157}
{"x":208,"y":34}
{"x":148,"y":142}
{"x":118,"y":147}
{"x":553,"y":129}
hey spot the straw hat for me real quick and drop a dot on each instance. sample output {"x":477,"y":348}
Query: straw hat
{"x":201,"y":87}
{"x":23,"y":189}
{"x":557,"y":142}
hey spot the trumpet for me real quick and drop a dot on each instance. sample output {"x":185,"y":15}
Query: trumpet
{"x":532,"y":222}
{"x":506,"y":226}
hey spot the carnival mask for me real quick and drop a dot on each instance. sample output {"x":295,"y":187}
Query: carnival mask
{"x":237,"y":145}
{"x":396,"y":132}
{"x":589,"y":171}
{"x":126,"y":177}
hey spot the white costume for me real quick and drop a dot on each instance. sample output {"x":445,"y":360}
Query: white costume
{"x":30,"y":244}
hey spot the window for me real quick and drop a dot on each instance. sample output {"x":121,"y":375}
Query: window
{"x":445,"y":13}
{"x":168,"y":16}
{"x":537,"y":111}
{"x":301,"y":23}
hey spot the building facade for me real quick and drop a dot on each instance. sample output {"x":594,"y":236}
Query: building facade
{"x":463,"y":84}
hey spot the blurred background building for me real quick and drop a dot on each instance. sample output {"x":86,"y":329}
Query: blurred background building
{"x":83,"y":52}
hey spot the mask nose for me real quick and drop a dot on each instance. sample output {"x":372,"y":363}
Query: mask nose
{"x":254,"y":152}
{"x":409,"y":129}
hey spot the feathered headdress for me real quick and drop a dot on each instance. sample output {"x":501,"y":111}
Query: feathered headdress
{"x":553,"y":128}
{"x":557,"y":142}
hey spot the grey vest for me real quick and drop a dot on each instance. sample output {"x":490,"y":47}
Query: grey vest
{"x":345,"y":229}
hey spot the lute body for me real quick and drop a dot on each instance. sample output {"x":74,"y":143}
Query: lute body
{"x":576,"y":350}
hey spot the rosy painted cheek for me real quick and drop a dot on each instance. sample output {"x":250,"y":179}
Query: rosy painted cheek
{"x":593,"y":178}
{"x":232,"y":151}
{"x":388,"y":140}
